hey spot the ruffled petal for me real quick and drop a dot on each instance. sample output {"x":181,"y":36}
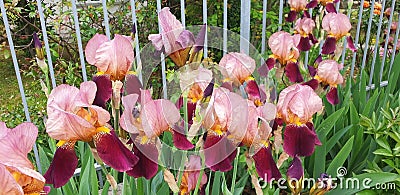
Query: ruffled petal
{"x":63,"y":166}
{"x":219,"y":153}
{"x":8,"y":185}
{"x":265,"y":165}
{"x":104,"y":90}
{"x":127,"y":118}
{"x":147,"y":166}
{"x":293,"y":72}
{"x":304,"y":44}
{"x":299,"y":140}
{"x":113,"y":152}
{"x":185,"y":39}
{"x":292,"y":16}
{"x":332,"y":96}
{"x":270,"y":63}
{"x":156,"y":40}
{"x":92,"y":46}
{"x":295,"y":170}
{"x":329,"y":46}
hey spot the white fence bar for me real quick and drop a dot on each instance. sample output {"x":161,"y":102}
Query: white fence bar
{"x":245,"y":26}
{"x":183,"y":18}
{"x":225,"y":29}
{"x":387,"y":40}
{"x":360,"y":13}
{"x":46,"y":43}
{"x":79,"y":39}
{"x":306,"y":58}
{"x":137,"y":46}
{"x":366,"y":46}
{"x":20,"y":84}
{"x":280,"y":15}
{"x":205,"y":49}
{"x":164,"y":77}
{"x":264,"y":27}
{"x":396,"y":39}
{"x":376,"y":51}
{"x":105,"y":13}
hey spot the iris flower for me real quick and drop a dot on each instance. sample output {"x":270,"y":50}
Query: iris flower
{"x":146,"y":122}
{"x":174,"y":41}
{"x":72,"y":118}
{"x":296,"y":106}
{"x":329,"y":4}
{"x":295,"y":176}
{"x":191,"y":175}
{"x":337,"y":25}
{"x":237,"y":67}
{"x":296,"y":6}
{"x":112,"y":57}
{"x":284,"y":50}
{"x":195,"y":82}
{"x":305,"y":27}
{"x":17,"y":172}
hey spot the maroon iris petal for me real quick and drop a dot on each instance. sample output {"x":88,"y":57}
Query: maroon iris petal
{"x":295,"y":170}
{"x":313,"y":83}
{"x":350,"y":43}
{"x":147,"y":165}
{"x":312,"y":38}
{"x":209,"y":89}
{"x":179,"y":138}
{"x":252,"y":90}
{"x":227,"y":85}
{"x":270,"y":63}
{"x":293,"y":72}
{"x":113,"y":152}
{"x":332,"y":96}
{"x":299,"y":140}
{"x":318,"y":60}
{"x":263,"y":70}
{"x":329,"y":45}
{"x":304,"y":44}
{"x":133,"y":85}
{"x":292,"y":16}
{"x":265,"y":164}
{"x":277,"y":122}
{"x":311,"y":127}
{"x":63,"y":166}
{"x":179,"y":102}
{"x":306,"y":14}
{"x":312,"y":70}
{"x":104,"y":90}
{"x":312,"y":4}
{"x":330,"y":8}
{"x":219,"y":153}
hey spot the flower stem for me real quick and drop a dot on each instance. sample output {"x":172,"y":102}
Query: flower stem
{"x":139,"y":183}
{"x":200,"y":174}
{"x":235,"y":171}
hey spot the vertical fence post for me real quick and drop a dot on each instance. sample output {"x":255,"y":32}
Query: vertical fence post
{"x":105,"y":13}
{"x":396,"y":39}
{"x":183,"y":18}
{"x":280,"y":15}
{"x":360,"y":13}
{"x":137,"y":46}
{"x":366,"y":46}
{"x":307,"y":52}
{"x":21,"y":86}
{"x":245,"y":25}
{"x":79,"y":39}
{"x":225,"y":29}
{"x":387,"y":39}
{"x":264,"y":27}
{"x":164,"y":79}
{"x":206,"y":34}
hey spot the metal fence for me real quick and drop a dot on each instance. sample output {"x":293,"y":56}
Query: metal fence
{"x":245,"y":19}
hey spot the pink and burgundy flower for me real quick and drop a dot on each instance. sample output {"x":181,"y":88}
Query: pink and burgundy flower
{"x":296,"y":6}
{"x":195,"y":82}
{"x":284,"y":50}
{"x":296,"y":106}
{"x":112,"y":57}
{"x":237,"y":67}
{"x":72,"y":117}
{"x":337,"y":25}
{"x":173,"y":40}
{"x":329,"y":4}
{"x":305,"y":27}
{"x":191,"y":175}
{"x":147,"y":123}
{"x":328,"y":73}
{"x":17,"y":172}
{"x":295,"y":175}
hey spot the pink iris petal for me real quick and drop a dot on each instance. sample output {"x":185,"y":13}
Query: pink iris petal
{"x":227,"y":85}
{"x":168,"y":21}
{"x":297,"y":5}
{"x":92,"y":46}
{"x":300,"y":100}
{"x":293,"y":72}
{"x":201,"y":77}
{"x":127,"y":120}
{"x":147,"y":165}
{"x":113,"y":152}
{"x":305,"y":26}
{"x":283,"y":45}
{"x":336,"y":24}
{"x":329,"y":46}
{"x":299,"y":140}
{"x":219,"y":153}
{"x":295,"y":170}
{"x":265,"y":165}
{"x":8,"y":185}
{"x":263,"y":70}
{"x":180,"y":141}
{"x":63,"y":166}
{"x":133,"y":84}
{"x":104,"y":90}
{"x":329,"y":72}
{"x":64,"y":101}
{"x":115,"y":57}
{"x":185,"y":39}
{"x":193,"y":167}
{"x":332,"y":96}
{"x":157,"y":41}
{"x":237,"y":66}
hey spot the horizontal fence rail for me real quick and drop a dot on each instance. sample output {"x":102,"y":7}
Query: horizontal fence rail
{"x":245,"y":24}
